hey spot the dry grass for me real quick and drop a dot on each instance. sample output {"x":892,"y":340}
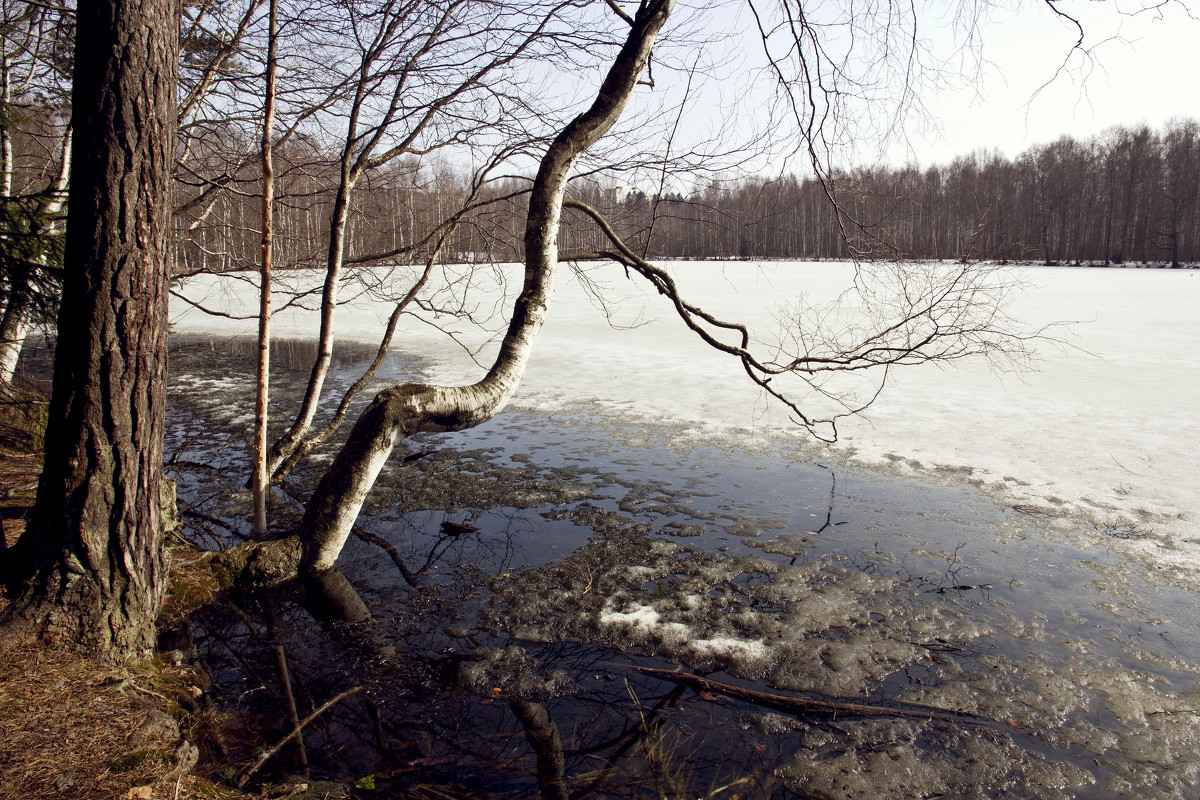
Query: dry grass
{"x":70,"y":728}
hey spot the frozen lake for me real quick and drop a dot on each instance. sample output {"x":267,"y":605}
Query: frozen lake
{"x":1017,"y":547}
{"x":1104,"y":431}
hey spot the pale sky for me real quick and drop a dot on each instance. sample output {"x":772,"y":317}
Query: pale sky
{"x":1019,"y":83}
{"x":1150,"y":76}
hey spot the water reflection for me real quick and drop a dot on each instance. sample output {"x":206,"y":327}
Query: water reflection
{"x":504,"y":582}
{"x":454,"y":721}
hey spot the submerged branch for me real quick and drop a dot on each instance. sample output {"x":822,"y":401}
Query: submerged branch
{"x":266,"y":756}
{"x":803,"y":706}
{"x":387,"y":547}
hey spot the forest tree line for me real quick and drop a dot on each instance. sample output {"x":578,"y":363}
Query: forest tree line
{"x":1131,"y":195}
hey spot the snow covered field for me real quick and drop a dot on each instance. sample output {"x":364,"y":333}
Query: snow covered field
{"x":1102,"y":431}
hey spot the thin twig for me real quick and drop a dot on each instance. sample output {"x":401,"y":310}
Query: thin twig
{"x":293,"y":715}
{"x":266,"y":756}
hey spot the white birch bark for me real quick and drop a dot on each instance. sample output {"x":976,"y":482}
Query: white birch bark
{"x":14,"y":322}
{"x":6,"y":148}
{"x":11,"y":342}
{"x":411,"y":408}
{"x":260,"y":479}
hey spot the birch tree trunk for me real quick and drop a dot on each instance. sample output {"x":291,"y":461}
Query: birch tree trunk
{"x":15,"y":322}
{"x":411,"y":408}
{"x":261,"y":477}
{"x":6,"y":148}
{"x":286,"y":444}
{"x":13,"y":327}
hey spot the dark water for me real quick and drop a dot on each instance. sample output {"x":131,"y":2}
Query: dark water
{"x":513,"y":576}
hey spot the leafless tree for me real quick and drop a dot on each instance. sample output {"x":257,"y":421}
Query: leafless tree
{"x":261,"y":474}
{"x":412,"y":408}
{"x":911,"y":316}
{"x":35,"y":137}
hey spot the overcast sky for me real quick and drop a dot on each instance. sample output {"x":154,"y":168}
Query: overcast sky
{"x":1149,"y":76}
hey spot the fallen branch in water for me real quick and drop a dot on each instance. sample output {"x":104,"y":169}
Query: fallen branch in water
{"x":386,"y":546}
{"x":803,"y":706}
{"x":266,"y":756}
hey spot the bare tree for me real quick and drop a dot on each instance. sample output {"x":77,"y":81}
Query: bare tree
{"x":911,"y":316}
{"x":35,"y":137}
{"x":261,"y":474}
{"x":412,"y":67}
{"x":412,"y":408}
{"x":1180,"y":228}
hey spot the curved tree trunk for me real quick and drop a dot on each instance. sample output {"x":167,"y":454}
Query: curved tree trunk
{"x":416,"y":407}
{"x":92,"y":562}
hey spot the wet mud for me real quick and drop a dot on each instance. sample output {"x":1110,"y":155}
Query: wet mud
{"x":506,"y":582}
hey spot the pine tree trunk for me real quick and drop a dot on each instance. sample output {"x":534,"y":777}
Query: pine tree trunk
{"x":93,"y":566}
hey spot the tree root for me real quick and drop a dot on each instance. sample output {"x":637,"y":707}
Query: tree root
{"x":262,"y":564}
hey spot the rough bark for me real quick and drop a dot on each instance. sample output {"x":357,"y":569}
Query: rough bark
{"x":92,"y":566}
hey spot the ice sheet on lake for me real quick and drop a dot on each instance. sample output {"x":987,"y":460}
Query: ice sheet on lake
{"x":1105,"y":431}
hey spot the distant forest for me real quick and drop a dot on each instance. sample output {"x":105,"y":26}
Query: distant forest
{"x":1128,"y":196}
